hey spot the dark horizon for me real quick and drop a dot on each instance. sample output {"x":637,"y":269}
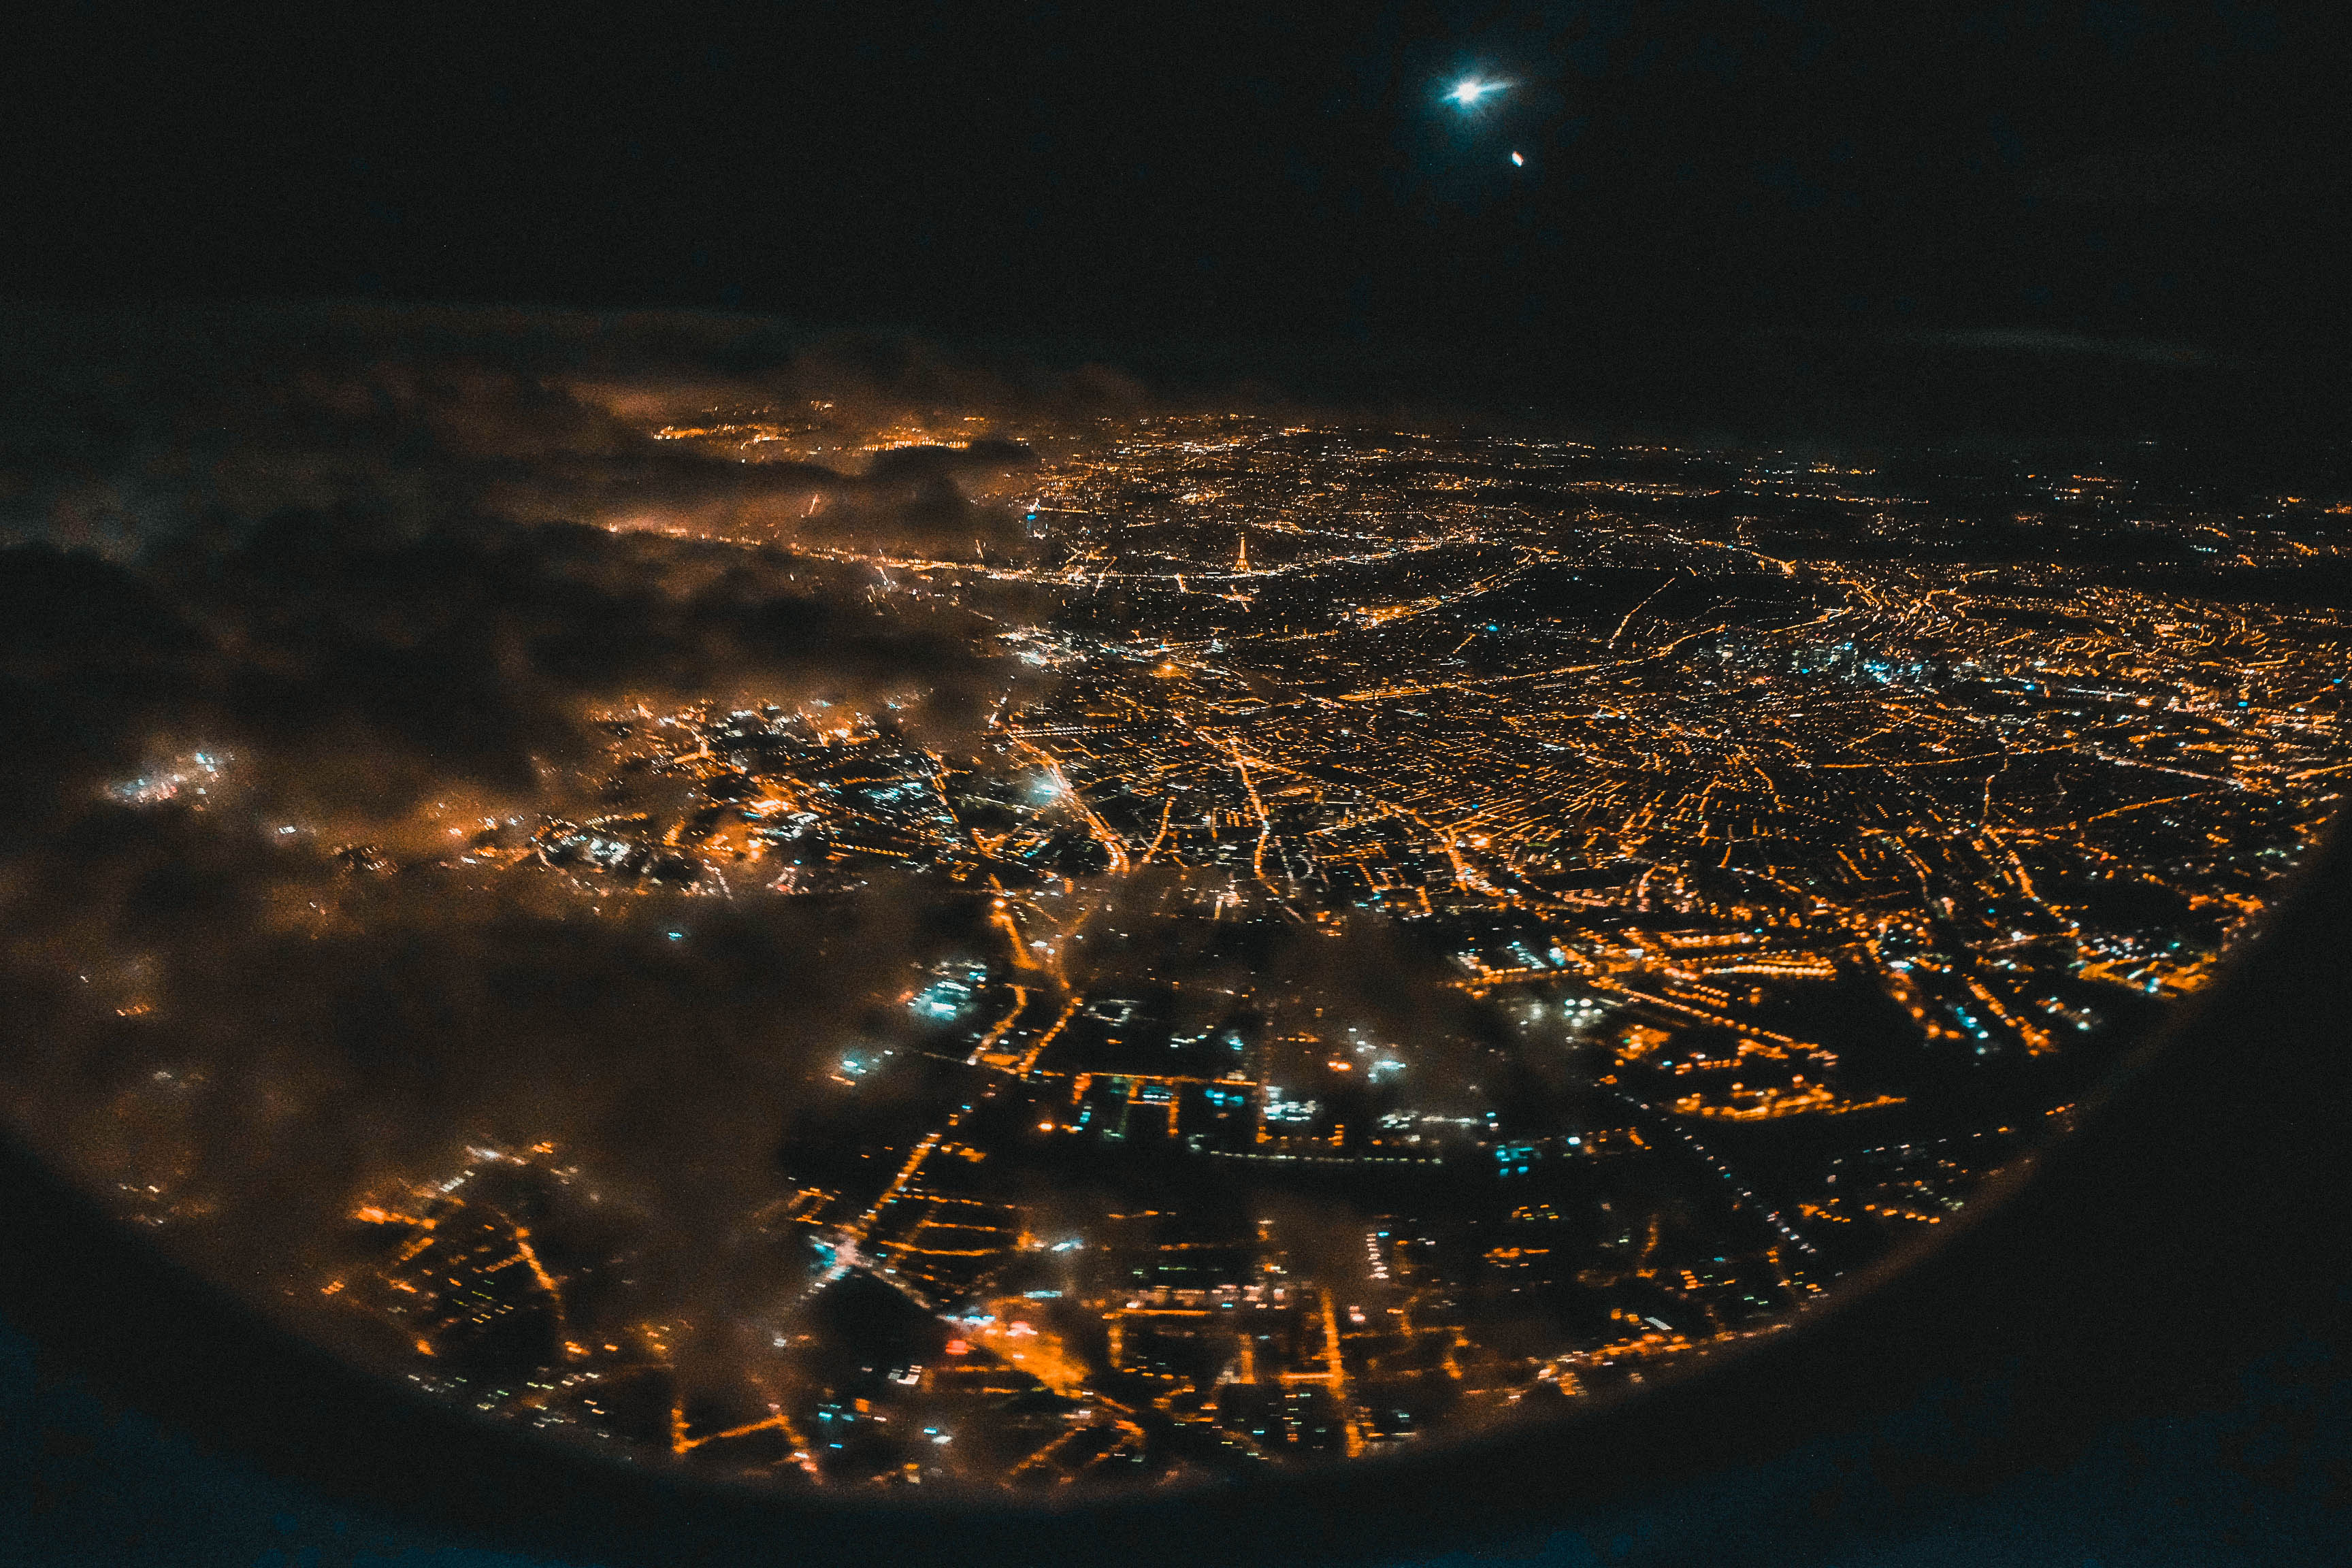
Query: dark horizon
{"x":2114,"y":222}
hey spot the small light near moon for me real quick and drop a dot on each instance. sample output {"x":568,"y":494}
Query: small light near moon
{"x":1518,"y":161}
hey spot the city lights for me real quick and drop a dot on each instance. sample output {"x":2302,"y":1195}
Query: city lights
{"x":1429,"y":929}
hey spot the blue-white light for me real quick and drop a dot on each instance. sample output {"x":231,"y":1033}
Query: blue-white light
{"x":942,"y":999}
{"x":1470,"y":89}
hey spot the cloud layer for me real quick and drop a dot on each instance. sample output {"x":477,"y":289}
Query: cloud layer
{"x":275,"y":583}
{"x":407,"y":554}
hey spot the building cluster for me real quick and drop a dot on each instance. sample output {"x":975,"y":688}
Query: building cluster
{"x":1777,"y":845}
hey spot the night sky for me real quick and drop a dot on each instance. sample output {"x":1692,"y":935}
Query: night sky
{"x":2117,"y":217}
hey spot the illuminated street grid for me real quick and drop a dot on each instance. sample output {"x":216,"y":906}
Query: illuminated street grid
{"x":1777,"y":853}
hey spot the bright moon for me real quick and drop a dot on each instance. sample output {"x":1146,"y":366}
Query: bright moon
{"x":1471,"y":90}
